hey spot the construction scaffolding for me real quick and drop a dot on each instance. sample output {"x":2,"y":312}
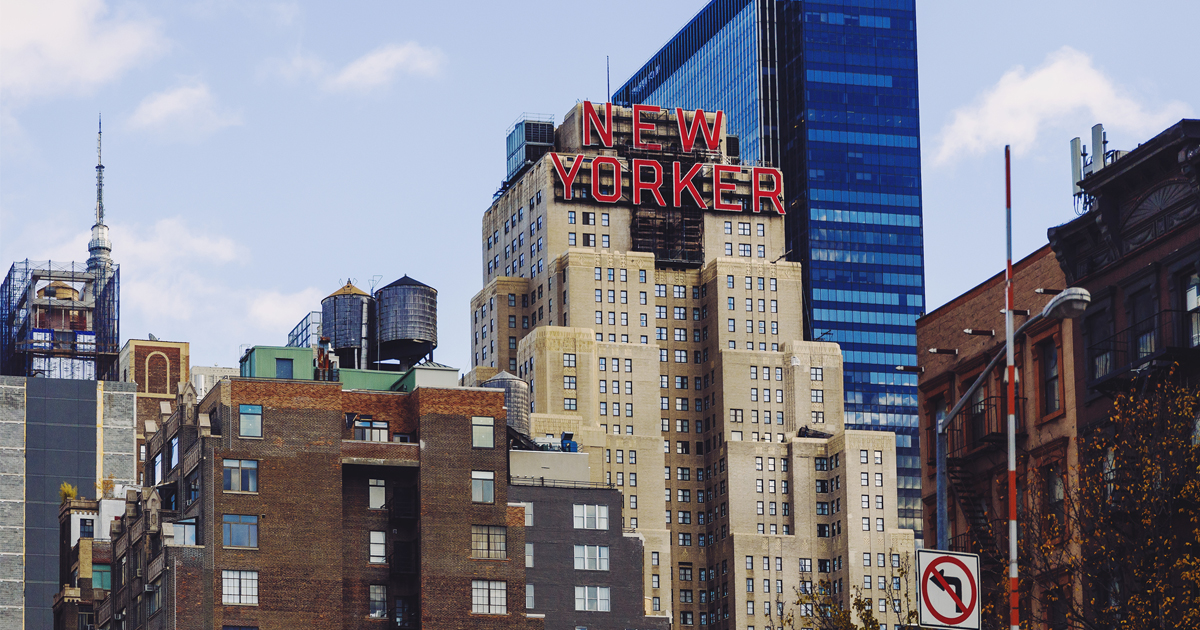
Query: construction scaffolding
{"x":674,"y":235}
{"x":59,"y":320}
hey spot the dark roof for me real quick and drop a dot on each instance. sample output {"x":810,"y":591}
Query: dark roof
{"x":407,"y":282}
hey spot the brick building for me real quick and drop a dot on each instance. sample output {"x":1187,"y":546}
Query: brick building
{"x":159,"y":368}
{"x":1136,"y":249}
{"x":663,"y":337}
{"x":278,"y":503}
{"x":977,"y":456}
{"x":582,"y":568}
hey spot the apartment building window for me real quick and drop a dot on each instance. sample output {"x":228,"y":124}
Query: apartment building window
{"x":87,"y":528}
{"x":879,"y":479}
{"x":375,"y":494}
{"x":1048,"y":353}
{"x":590,"y":516}
{"x":240,"y":530}
{"x":744,"y":250}
{"x":239,"y":587}
{"x":591,"y":557}
{"x":377,"y":547}
{"x":818,"y":417}
{"x":490,"y":542}
{"x":878,"y":524}
{"x":377,"y":602}
{"x":817,"y":395}
{"x":483,"y":431}
{"x":483,"y":486}
{"x":489,"y":597}
{"x":595,"y":598}
{"x":370,"y":430}
{"x":250,"y":420}
{"x":241,"y":475}
{"x":864,"y":479}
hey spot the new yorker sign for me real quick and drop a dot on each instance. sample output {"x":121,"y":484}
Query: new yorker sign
{"x":666,"y":184}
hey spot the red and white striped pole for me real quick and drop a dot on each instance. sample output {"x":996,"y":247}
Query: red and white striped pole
{"x":1014,"y":612}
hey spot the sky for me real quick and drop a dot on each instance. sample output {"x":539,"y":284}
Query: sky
{"x":259,"y":154}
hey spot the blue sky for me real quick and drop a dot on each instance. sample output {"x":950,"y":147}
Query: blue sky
{"x":258,"y":154}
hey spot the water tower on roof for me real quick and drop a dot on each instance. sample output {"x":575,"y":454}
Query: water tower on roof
{"x":346,"y":316}
{"x":406,"y":323}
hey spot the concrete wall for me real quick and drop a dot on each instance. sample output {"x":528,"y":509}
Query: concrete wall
{"x":52,"y":431}
{"x":554,"y":465}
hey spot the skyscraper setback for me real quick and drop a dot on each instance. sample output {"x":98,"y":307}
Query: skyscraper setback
{"x":827,"y":93}
{"x":633,"y":277}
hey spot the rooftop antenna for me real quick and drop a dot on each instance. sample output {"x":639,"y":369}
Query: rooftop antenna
{"x":99,"y":172}
{"x":99,"y":248}
{"x":607,"y":80}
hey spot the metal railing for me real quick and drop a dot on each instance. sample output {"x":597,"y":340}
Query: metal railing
{"x":982,"y":424}
{"x":1142,"y":342}
{"x":556,"y":483}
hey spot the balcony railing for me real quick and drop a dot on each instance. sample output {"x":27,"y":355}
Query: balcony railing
{"x":404,"y":558}
{"x":983,"y":424}
{"x":403,"y":504}
{"x":1162,"y":335}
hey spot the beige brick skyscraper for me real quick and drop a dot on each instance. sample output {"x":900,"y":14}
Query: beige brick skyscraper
{"x":667,"y":340}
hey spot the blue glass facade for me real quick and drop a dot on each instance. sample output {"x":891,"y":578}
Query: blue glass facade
{"x":828,"y":92}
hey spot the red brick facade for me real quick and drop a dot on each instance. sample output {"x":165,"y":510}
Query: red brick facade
{"x":314,"y":560}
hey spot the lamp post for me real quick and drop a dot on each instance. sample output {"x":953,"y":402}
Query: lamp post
{"x":1068,"y":304}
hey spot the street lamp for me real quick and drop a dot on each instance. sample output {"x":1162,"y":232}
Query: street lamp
{"x":1070,"y":303}
{"x":1067,"y":305}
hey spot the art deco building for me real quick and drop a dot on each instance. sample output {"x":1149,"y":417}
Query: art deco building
{"x":663,"y":337}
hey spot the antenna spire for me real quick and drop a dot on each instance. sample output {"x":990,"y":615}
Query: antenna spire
{"x":99,"y":173}
{"x":100,"y":248}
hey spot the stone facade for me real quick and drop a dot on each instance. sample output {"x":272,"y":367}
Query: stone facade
{"x":685,"y":362}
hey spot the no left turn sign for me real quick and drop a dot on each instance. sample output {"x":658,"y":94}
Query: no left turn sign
{"x":948,"y":589}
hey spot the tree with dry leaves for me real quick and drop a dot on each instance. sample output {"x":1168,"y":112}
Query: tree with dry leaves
{"x":820,"y":608}
{"x":1113,"y":542}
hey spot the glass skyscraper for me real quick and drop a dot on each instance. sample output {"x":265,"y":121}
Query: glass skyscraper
{"x":827,"y":91}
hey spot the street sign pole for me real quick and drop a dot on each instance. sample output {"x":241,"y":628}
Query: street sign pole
{"x":948,"y":590}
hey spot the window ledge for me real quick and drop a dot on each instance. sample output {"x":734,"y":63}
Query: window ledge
{"x":1052,"y":417}
{"x":234,"y":604}
{"x":249,"y":437}
{"x":251,"y":492}
{"x":238,"y":548}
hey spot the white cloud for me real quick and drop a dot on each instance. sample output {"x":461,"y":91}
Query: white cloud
{"x":1022,"y":104}
{"x":279,"y":312}
{"x":381,"y":66}
{"x":51,"y":47}
{"x":186,"y":112}
{"x":176,"y":282}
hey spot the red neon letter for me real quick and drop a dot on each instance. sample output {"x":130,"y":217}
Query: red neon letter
{"x":719,"y":187}
{"x":652,"y":186}
{"x":639,"y":127}
{"x":615,"y":195}
{"x":567,"y":178}
{"x":775,"y":194}
{"x":590,"y":119}
{"x":687,"y":133}
{"x":681,"y":184}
